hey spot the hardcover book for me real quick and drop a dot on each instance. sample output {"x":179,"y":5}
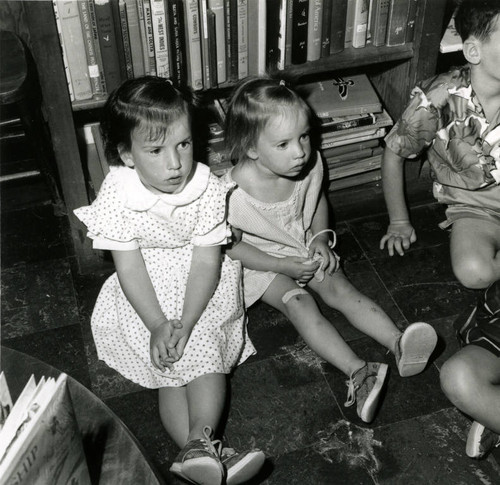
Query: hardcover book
{"x":288,"y":33}
{"x":217,"y":7}
{"x":342,"y":96}
{"x":208,"y":82}
{"x":338,"y":26}
{"x":314,"y":30}
{"x":72,"y":37}
{"x":160,"y":36}
{"x":108,"y":44}
{"x":397,"y":22}
{"x":282,"y":26}
{"x":232,"y":19}
{"x":150,"y":41}
{"x":177,"y":42}
{"x":300,"y":21}
{"x":410,"y":21}
{"x":136,"y":41}
{"x":141,"y":11}
{"x":242,"y":13}
{"x":378,"y":21}
{"x":326,"y":28}
{"x":118,"y":26}
{"x":257,"y":38}
{"x":273,"y":10}
{"x":90,"y":49}
{"x":193,"y":44}
{"x":125,"y":36}
{"x":360,"y":23}
{"x":349,"y":23}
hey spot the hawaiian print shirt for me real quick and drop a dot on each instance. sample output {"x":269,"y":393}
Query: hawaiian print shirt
{"x":445,"y":117}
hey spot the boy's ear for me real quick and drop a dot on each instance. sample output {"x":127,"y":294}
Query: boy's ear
{"x":126,"y":156}
{"x":472,"y":50}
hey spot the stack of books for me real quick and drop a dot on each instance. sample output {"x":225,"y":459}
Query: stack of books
{"x":40,"y":442}
{"x":208,"y":44}
{"x":352,"y":124}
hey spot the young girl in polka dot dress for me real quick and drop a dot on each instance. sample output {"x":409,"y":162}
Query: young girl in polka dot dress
{"x":172,"y":316}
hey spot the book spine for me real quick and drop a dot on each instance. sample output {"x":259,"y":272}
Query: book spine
{"x":72,"y":37}
{"x":63,"y":50}
{"x":282,"y":24}
{"x":193,"y":44}
{"x":212,"y":46}
{"x":341,"y":141}
{"x":129,"y":68}
{"x":351,"y":148}
{"x":349,"y":23}
{"x":378,"y":28}
{"x":136,"y":49}
{"x":257,"y":38}
{"x":314,"y":30}
{"x":144,"y":36}
{"x":107,"y":42}
{"x":160,"y":36}
{"x":326,"y":28}
{"x":355,"y":180}
{"x":272,"y":33}
{"x":177,"y":41}
{"x":363,"y":120}
{"x":148,"y":22}
{"x":217,"y":7}
{"x":242,"y":39}
{"x":117,"y":24}
{"x":95,"y":37}
{"x":337,"y":35}
{"x":205,"y":48}
{"x":410,"y":22}
{"x":356,"y":155}
{"x":396,"y":22}
{"x":360,"y":23}
{"x":353,"y":168}
{"x":288,"y":33}
{"x":90,"y":48}
{"x":233,"y":36}
{"x":300,"y":28}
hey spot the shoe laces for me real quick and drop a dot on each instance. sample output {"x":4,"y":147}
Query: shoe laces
{"x":213,"y":446}
{"x":352,"y":387}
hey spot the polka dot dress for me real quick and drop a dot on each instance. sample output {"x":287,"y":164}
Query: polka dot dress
{"x":126,"y":215}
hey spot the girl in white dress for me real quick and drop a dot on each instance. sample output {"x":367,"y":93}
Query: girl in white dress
{"x":279,"y":215}
{"x":172,"y":316}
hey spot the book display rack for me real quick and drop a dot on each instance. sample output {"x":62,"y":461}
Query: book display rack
{"x":329,"y":45}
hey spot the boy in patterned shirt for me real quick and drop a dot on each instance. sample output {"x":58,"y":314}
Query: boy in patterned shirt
{"x":455,"y":117}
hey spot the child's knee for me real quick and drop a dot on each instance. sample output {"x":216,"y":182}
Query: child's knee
{"x":474,"y":272}
{"x":456,"y":379}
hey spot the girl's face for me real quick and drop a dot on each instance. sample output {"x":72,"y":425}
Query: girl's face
{"x":165,"y":165}
{"x":284,"y":146}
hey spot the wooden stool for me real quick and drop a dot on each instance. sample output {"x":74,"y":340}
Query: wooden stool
{"x":19,"y":88}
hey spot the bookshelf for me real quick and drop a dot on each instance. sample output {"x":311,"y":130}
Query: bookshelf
{"x":392,"y":70}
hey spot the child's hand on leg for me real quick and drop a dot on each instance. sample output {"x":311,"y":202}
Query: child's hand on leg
{"x":299,"y":269}
{"x":399,"y":237}
{"x":320,"y":250}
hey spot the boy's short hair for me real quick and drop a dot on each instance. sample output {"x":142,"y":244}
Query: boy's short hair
{"x":476,"y":17}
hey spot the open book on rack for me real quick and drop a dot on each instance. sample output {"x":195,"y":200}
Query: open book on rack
{"x":40,"y":442}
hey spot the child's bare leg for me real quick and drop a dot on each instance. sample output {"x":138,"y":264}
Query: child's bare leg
{"x":471,"y":381}
{"x":319,"y":334}
{"x":362,"y":312}
{"x":475,"y":252}
{"x":187,"y":410}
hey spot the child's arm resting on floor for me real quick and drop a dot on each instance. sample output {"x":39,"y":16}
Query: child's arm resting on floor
{"x":253,"y":258}
{"x":202,"y":281}
{"x":400,"y":233}
{"x":136,"y":284}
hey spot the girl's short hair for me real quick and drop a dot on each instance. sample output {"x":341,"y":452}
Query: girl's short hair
{"x":147,"y":103}
{"x":254,"y":101}
{"x":476,"y":17}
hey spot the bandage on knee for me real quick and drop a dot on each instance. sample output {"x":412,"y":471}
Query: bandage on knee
{"x":290,"y":294}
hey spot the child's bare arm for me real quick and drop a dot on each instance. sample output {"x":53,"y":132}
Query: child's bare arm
{"x":400,"y":233}
{"x":202,"y":280}
{"x":136,"y":284}
{"x":253,"y":258}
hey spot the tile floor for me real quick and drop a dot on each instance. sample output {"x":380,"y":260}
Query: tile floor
{"x":284,"y":400}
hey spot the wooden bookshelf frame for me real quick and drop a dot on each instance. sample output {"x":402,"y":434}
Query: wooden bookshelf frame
{"x":395,"y":72}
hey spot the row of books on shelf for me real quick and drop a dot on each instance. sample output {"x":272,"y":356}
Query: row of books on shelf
{"x":40,"y":441}
{"x":212,"y":43}
{"x":351,"y":125}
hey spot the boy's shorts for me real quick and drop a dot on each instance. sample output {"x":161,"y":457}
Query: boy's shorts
{"x":456,"y":212}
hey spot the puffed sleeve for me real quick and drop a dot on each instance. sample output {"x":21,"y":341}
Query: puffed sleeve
{"x":107,"y":218}
{"x":212,"y":228}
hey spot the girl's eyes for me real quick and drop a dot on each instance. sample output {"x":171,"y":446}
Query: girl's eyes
{"x":305,"y":136}
{"x":282,"y":146}
{"x":184,"y":145}
{"x":155,"y":151}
